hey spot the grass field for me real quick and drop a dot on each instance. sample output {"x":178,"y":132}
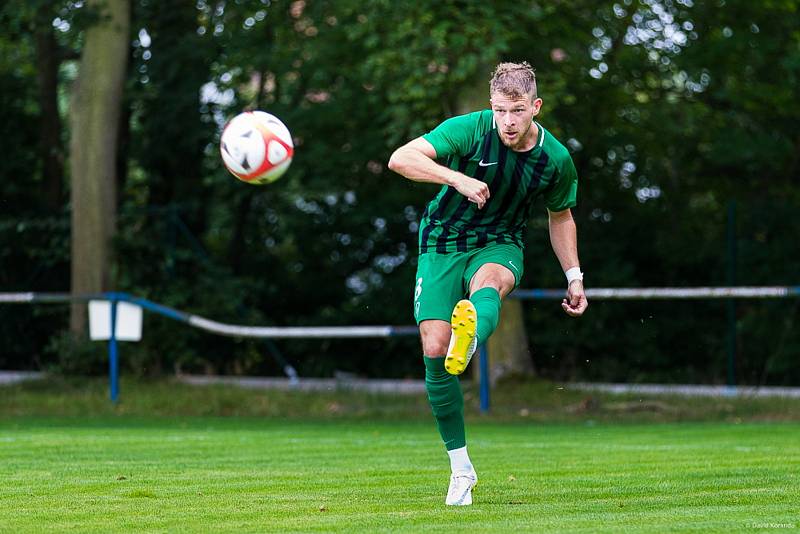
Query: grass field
{"x":130,"y":471}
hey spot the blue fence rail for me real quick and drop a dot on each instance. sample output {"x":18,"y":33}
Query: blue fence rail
{"x":270,"y":332}
{"x":327,"y":332}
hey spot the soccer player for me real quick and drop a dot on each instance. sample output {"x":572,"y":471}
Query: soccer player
{"x":496,"y":163}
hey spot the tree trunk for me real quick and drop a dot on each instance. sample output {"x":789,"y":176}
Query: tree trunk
{"x":508,"y":350}
{"x":94,"y":118}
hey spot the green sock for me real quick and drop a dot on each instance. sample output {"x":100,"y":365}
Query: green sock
{"x":487,"y":304}
{"x":447,"y":402}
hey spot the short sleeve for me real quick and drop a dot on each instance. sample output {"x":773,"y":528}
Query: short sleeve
{"x":564,"y":193}
{"x":455,"y":136}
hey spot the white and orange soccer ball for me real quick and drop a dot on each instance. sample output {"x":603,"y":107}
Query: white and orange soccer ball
{"x":256,"y":147}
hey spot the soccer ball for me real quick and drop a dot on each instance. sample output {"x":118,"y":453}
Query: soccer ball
{"x":256,"y":147}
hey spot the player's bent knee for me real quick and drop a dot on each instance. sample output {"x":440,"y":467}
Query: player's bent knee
{"x":495,"y":276}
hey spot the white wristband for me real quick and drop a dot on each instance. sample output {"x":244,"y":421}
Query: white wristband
{"x":573,"y":273}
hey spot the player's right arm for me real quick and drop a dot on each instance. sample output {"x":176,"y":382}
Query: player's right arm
{"x":416,"y":161}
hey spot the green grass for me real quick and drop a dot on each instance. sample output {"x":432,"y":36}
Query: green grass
{"x":255,"y":475}
{"x":175,"y":458}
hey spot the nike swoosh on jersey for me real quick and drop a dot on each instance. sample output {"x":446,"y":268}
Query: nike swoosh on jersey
{"x":482,"y":164}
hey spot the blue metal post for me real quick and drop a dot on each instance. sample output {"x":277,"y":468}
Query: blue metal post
{"x":113,"y":364}
{"x":484,"y":380}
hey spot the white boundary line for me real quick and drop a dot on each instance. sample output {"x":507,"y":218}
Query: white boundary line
{"x":374,"y":385}
{"x":689,"y":390}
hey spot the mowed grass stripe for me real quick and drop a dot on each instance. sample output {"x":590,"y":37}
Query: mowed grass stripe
{"x":251,"y":475}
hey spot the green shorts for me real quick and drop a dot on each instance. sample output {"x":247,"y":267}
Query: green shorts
{"x":443,"y":279}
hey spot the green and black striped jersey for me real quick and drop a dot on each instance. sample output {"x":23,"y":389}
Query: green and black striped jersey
{"x":471,"y":145}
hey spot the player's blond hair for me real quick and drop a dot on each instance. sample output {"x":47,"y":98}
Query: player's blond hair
{"x":513,"y":79}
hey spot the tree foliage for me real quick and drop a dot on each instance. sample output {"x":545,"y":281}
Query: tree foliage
{"x":672,"y":110}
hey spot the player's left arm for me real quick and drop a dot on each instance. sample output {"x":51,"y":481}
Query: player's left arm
{"x":564,"y":239}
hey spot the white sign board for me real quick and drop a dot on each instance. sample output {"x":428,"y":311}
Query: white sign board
{"x":129,"y":321}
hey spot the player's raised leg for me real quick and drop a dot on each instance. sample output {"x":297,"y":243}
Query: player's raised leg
{"x":487,"y":302}
{"x":474,"y":320}
{"x":447,"y":404}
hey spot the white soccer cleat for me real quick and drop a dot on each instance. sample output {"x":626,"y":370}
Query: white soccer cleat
{"x":460,"y":491}
{"x":463,"y":340}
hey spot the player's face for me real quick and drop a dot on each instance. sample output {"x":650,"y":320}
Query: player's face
{"x":514,"y":119}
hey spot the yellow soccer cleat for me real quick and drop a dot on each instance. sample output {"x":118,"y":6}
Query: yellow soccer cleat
{"x":463,"y":340}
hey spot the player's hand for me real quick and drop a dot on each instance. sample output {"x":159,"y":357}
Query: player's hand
{"x":575,"y":303}
{"x":475,"y":190}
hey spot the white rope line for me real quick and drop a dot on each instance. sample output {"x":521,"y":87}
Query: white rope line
{"x":687,"y":292}
{"x":16,"y":297}
{"x":276,"y":332}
